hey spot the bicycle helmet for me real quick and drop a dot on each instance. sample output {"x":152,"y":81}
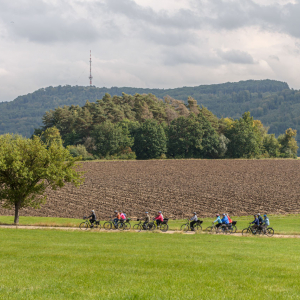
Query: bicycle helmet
{"x":93,"y":210}
{"x":217,"y":215}
{"x":159,"y":212}
{"x":195,"y":213}
{"x":116,"y":211}
{"x":265,"y":215}
{"x":258,"y":214}
{"x":146,"y":212}
{"x":223,"y":214}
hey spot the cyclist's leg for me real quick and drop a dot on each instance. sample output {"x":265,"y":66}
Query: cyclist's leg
{"x":192,"y":224}
{"x":92,"y":221}
{"x":116,"y":222}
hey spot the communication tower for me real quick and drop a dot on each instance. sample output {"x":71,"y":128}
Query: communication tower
{"x":91,"y":77}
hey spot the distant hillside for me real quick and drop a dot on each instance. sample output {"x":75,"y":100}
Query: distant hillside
{"x":262,"y":97}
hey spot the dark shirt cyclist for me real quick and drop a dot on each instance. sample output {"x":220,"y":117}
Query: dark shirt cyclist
{"x":93,"y":217}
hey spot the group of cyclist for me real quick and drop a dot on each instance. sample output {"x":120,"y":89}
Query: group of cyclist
{"x":225,"y":221}
{"x":259,"y":223}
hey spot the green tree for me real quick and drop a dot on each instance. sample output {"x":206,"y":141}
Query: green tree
{"x":111,"y":139}
{"x":150,"y":140}
{"x":28,"y":167}
{"x":245,"y":138}
{"x":192,"y":136}
{"x":288,"y":143}
{"x":271,"y":145}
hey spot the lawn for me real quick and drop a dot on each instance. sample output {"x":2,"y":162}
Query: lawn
{"x":54,"y":264}
{"x":283,"y":224}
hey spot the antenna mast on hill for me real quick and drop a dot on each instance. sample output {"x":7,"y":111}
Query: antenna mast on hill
{"x":91,"y":77}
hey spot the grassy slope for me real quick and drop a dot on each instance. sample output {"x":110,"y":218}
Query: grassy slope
{"x":284,"y":224}
{"x":52,"y":264}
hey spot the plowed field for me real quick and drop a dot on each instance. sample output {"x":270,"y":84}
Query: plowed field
{"x":179,"y":187}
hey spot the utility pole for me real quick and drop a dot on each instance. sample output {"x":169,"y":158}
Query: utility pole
{"x":91,"y":77}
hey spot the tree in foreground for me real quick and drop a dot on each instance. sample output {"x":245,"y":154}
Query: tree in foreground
{"x":29,"y":166}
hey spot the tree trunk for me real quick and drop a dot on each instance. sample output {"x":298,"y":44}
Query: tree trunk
{"x":17,"y":206}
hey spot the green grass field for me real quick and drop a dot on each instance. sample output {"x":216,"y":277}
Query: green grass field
{"x":283,"y":224}
{"x":55,"y":264}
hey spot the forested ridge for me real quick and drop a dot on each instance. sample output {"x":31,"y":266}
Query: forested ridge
{"x":272,"y":101}
{"x":146,"y":127}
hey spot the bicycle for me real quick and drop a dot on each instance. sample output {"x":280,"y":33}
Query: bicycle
{"x":186,"y":227}
{"x":269,"y":231}
{"x":249,"y":230}
{"x":213,"y":228}
{"x":140,"y":226}
{"x":123,"y":225}
{"x":163,"y":226}
{"x":229,"y":228}
{"x":110,"y":224}
{"x":87,"y":224}
{"x":128,"y":225}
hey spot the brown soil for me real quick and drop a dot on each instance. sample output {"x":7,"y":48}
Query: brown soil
{"x":178,"y":187}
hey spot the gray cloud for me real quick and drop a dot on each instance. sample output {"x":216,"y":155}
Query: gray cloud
{"x":236,"y":56}
{"x":275,"y":57}
{"x":144,"y":43}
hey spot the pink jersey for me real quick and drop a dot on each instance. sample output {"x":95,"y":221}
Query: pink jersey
{"x":122,"y":216}
{"x":160,"y":218}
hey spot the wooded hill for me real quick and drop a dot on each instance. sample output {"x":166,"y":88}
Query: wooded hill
{"x":273,"y":102}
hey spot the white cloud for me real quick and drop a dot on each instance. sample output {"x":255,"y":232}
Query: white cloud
{"x":145,"y":43}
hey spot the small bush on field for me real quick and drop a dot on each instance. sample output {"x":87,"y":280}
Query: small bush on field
{"x":80,"y":150}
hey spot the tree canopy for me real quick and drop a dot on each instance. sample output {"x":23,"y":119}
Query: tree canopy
{"x":144,"y":126}
{"x":29,"y":166}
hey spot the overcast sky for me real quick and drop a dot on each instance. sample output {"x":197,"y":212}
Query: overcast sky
{"x":146,"y":43}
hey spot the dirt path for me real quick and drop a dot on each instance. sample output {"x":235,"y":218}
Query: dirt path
{"x":103,"y":230}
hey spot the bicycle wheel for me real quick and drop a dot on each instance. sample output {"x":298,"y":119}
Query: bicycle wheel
{"x":197,"y":228}
{"x":151,"y":226}
{"x":234,"y":229}
{"x":270,"y":231}
{"x":84,"y":226}
{"x":246,"y":232}
{"x":210,"y":229}
{"x":231,"y":230}
{"x":136,"y":227}
{"x":164,"y":227}
{"x":97,"y":226}
{"x":121,"y":226}
{"x":107,"y":225}
{"x":185,"y":227}
{"x":219,"y":229}
{"x":128,"y":225}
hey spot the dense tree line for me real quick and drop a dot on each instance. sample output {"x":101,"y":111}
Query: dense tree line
{"x":145,"y":127}
{"x":25,"y":113}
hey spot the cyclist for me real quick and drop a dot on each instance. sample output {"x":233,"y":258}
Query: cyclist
{"x":260,"y":220}
{"x":225,"y":221}
{"x":122,"y":216}
{"x":117,"y":218}
{"x":218,"y":219}
{"x":93,"y":218}
{"x":229,"y":219}
{"x":265,"y":223}
{"x":255,"y":223}
{"x":159,"y":218}
{"x":146,"y":220}
{"x":193,"y":220}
